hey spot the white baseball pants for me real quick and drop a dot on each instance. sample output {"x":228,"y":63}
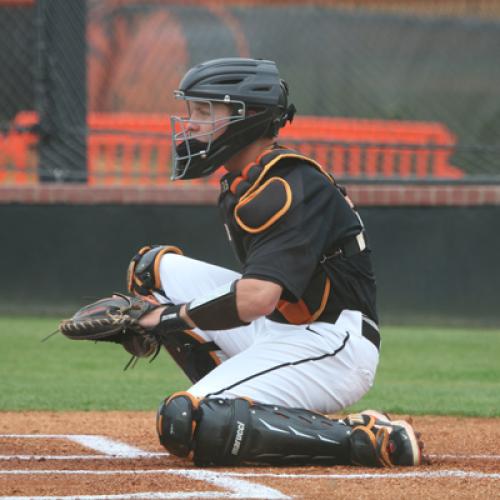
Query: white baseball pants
{"x":321,"y":367}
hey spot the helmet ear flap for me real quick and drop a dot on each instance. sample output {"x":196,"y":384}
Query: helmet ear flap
{"x":287,"y":111}
{"x":281,"y":120}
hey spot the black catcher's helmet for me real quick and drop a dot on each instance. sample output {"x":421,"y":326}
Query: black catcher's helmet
{"x":258,"y":103}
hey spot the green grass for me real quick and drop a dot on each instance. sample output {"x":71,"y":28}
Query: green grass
{"x":62,"y":374}
{"x":422,"y":371}
{"x":445,"y":371}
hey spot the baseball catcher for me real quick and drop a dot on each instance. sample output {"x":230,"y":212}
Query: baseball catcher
{"x":271,"y":350}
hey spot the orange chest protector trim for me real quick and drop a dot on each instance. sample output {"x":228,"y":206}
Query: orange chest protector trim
{"x":298,"y":313}
{"x":261,"y":203}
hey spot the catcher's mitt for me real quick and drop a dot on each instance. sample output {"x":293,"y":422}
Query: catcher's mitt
{"x":114,"y":319}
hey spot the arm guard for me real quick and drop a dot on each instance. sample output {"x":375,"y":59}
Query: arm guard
{"x":214,"y":311}
{"x":217,"y":310}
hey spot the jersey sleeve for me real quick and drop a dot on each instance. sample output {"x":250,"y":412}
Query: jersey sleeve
{"x":288,"y":250}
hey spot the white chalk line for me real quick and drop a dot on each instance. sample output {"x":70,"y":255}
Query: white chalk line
{"x":466,"y":457}
{"x":100,"y":444}
{"x":234,"y":488}
{"x":35,"y":458}
{"x":211,"y":476}
{"x":238,"y":488}
{"x":146,"y":496}
{"x":148,"y":455}
{"x":376,"y":475}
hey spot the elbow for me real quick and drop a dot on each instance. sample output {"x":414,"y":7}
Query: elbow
{"x":256,"y":298}
{"x":266,"y":307}
{"x":266,"y":303}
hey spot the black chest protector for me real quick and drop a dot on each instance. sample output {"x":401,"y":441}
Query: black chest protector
{"x":238,"y":193}
{"x":256,"y":199}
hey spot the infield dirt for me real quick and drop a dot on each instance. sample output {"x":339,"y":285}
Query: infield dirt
{"x":464,"y":452}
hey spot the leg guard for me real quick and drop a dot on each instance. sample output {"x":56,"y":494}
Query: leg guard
{"x":234,"y":431}
{"x":193,"y":354}
{"x":377,"y":441}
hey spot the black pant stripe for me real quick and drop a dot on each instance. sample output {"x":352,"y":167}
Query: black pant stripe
{"x":283,"y":365}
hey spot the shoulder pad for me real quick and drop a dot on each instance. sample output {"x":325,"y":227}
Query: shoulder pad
{"x":263,"y":206}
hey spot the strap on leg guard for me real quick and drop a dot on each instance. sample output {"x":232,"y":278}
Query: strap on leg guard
{"x":233,"y":431}
{"x":369,"y":446}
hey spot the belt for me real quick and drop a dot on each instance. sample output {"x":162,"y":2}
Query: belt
{"x":369,"y":331}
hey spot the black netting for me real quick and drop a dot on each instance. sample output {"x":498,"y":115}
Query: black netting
{"x":17,"y":57}
{"x":407,"y":91}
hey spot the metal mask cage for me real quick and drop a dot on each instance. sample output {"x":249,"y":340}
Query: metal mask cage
{"x":182,"y":135}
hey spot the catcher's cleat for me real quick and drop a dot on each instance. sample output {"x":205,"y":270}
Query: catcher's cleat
{"x":379,"y":441}
{"x":404,"y":445}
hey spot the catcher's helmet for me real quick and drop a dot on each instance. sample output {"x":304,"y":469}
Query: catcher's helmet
{"x":258,"y":102}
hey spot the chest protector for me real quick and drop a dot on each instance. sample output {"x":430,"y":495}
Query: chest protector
{"x":252,"y":202}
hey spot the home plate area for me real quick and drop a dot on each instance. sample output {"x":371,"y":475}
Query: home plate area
{"x":115,"y":455}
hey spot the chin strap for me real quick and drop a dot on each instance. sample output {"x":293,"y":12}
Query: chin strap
{"x":290,"y":113}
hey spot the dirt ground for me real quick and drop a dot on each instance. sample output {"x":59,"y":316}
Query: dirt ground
{"x":37,"y":458}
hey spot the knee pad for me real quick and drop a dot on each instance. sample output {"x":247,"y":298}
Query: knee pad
{"x":234,"y":431}
{"x":143,"y":274}
{"x":176,"y":422}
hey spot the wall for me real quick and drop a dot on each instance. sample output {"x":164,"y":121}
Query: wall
{"x":434,"y":264}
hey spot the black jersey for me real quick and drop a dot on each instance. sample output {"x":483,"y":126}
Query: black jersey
{"x":288,"y":222}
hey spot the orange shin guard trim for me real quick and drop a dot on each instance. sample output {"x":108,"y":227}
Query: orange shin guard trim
{"x":194,"y":400}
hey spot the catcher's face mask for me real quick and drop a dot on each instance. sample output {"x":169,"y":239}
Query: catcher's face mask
{"x":199,"y":139}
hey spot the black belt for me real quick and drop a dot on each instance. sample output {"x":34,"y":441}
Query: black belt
{"x":370,"y":333}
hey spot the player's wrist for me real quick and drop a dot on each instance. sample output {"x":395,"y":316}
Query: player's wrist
{"x":150,"y":320}
{"x":173,"y":318}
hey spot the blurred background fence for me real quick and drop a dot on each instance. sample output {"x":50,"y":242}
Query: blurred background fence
{"x":387,"y":90}
{"x":393,"y":92}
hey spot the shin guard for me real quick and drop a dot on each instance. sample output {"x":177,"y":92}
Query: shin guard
{"x":234,"y":431}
